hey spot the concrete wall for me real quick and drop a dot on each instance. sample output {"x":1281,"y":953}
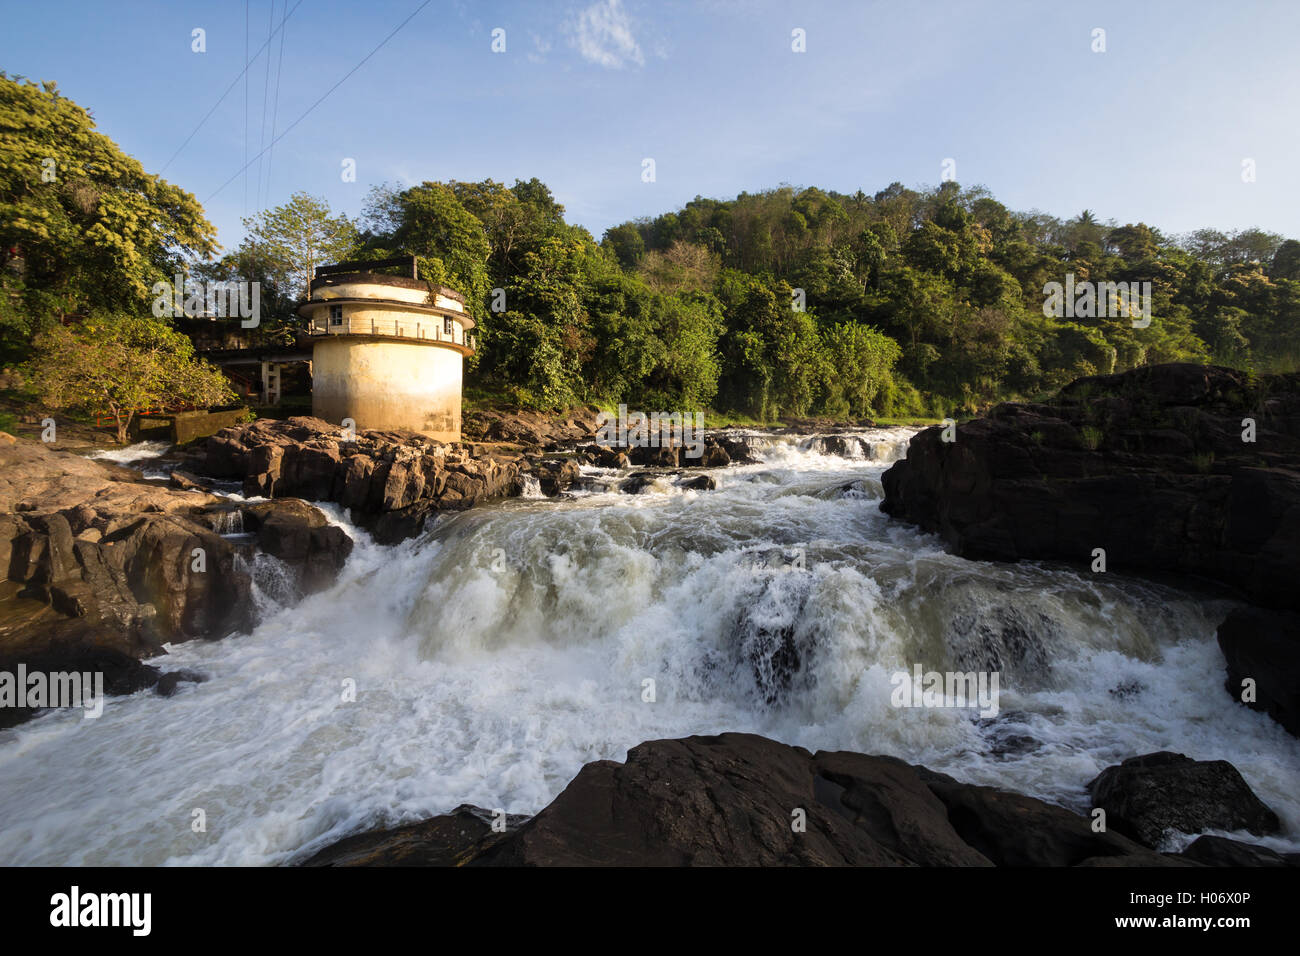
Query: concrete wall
{"x":383,"y":384}
{"x":182,"y":427}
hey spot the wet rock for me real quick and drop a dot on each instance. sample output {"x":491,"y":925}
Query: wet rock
{"x":1094,"y":468}
{"x":122,"y":674}
{"x":1146,"y":796}
{"x":375,"y":474}
{"x":606,"y":457}
{"x":730,"y":800}
{"x":666,"y":456}
{"x":738,"y":449}
{"x":638,"y":482}
{"x":1220,"y":851}
{"x":448,"y":840}
{"x":771,"y":638}
{"x":700,"y":483}
{"x":1264,"y":646}
{"x":524,"y":427}
{"x":302,"y":537}
{"x":555,"y":476}
{"x":842,"y":446}
{"x":169,"y":683}
{"x":186,"y":482}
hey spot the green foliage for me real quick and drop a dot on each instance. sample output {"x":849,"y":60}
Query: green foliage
{"x":119,"y":364}
{"x":287,"y":243}
{"x":789,"y":301}
{"x":82,"y":226}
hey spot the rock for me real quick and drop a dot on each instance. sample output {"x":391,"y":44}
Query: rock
{"x":526,"y":427}
{"x":186,"y":482}
{"x":1265,"y":646}
{"x":731,"y":799}
{"x":1220,"y":851}
{"x":299,"y":535}
{"x":606,"y":457}
{"x":375,"y":474}
{"x":1146,"y":796}
{"x":1096,"y":468}
{"x":738,"y":448}
{"x":104,"y":563}
{"x":700,"y":483}
{"x":448,"y":840}
{"x":169,"y":683}
{"x":714,"y":456}
{"x":638,"y":482}
{"x":556,"y":476}
{"x":122,"y":673}
{"x":648,"y":456}
{"x":841,"y":446}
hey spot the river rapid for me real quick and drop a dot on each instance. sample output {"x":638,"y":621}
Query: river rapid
{"x":490,"y":659}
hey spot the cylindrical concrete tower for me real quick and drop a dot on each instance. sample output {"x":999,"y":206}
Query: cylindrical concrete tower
{"x":386,"y":352}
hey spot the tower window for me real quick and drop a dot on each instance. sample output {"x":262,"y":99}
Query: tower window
{"x":448,"y":327}
{"x":336,"y":315}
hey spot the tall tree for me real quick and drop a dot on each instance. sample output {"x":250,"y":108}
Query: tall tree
{"x":82,"y":226}
{"x":290,"y":241}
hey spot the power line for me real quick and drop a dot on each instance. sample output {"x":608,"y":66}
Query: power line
{"x":222,"y":99}
{"x":266,"y":89}
{"x":247,"y":63}
{"x":326,"y":94}
{"x":275,"y":108}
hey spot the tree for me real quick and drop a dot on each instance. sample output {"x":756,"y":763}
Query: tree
{"x":1286,"y":261}
{"x":290,"y":241}
{"x":430,"y":222}
{"x":83,"y":227}
{"x":120,"y":364}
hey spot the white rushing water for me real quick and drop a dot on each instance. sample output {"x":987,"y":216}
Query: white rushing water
{"x":497,"y":655}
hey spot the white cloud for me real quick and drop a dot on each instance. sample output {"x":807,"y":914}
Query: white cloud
{"x":603,"y":35}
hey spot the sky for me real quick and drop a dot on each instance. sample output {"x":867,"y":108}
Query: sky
{"x":1154,"y":128}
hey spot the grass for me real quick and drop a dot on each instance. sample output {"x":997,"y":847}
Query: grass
{"x":1091,"y":437}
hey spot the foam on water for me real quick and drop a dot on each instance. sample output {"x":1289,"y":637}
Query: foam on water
{"x":131,"y":453}
{"x":497,"y":655}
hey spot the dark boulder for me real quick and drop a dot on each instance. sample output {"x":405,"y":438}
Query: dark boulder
{"x":1264,"y":646}
{"x":301,"y":537}
{"x":1145,"y":797}
{"x":122,"y":673}
{"x":1096,"y":468}
{"x":448,"y":840}
{"x":700,"y":483}
{"x":743,"y":800}
{"x":665,"y":456}
{"x":1220,"y":851}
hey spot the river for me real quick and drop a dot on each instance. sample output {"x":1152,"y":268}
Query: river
{"x":496,"y":655}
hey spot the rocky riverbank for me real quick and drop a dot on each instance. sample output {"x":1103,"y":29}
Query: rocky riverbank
{"x":744,"y":800}
{"x":101,"y":567}
{"x":1179,"y":468}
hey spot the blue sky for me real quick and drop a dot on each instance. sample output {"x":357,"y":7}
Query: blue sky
{"x":1154,"y":129}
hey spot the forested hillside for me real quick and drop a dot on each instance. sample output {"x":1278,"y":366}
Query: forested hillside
{"x":914,"y":302}
{"x":785,"y":302}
